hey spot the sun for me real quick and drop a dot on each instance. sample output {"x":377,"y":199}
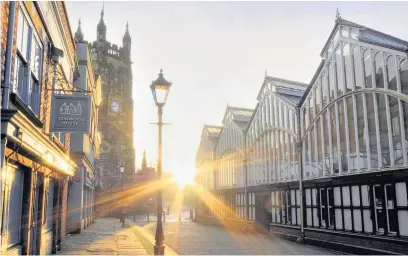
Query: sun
{"x":182,"y":180}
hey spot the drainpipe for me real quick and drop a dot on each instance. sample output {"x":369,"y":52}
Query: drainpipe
{"x":9,"y":52}
{"x":300,"y":164}
{"x":5,"y":102}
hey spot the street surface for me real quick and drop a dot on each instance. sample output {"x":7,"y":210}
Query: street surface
{"x":189,"y":237}
{"x":104,"y":237}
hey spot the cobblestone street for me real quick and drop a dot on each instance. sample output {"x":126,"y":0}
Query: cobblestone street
{"x":104,"y":237}
{"x":194,"y":238}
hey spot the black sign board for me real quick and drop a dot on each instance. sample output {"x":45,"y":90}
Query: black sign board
{"x":71,"y":114}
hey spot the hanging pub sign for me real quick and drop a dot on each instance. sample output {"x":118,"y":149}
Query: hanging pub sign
{"x":71,"y":114}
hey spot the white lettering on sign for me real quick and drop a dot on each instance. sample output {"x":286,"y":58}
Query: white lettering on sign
{"x":65,"y":120}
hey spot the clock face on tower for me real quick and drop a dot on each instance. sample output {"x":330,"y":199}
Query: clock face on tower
{"x":115,"y":106}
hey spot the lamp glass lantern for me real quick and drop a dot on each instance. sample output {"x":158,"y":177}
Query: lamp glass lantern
{"x":122,"y":169}
{"x":160,"y":89}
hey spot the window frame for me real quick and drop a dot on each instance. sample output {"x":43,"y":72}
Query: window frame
{"x":28,"y":87}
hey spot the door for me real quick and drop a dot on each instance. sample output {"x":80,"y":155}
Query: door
{"x":262,"y":214}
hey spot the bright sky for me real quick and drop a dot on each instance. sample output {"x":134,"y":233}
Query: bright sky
{"x":216,"y":53}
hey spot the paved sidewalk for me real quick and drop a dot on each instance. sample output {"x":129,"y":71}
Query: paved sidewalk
{"x":104,"y":237}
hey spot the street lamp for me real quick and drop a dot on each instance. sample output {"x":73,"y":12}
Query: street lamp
{"x":122,"y":170}
{"x":160,"y":89}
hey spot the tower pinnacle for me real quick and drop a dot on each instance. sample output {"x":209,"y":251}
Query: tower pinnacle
{"x":79,"y":36}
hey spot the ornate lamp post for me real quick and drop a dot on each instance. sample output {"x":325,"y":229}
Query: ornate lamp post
{"x":160,"y":89}
{"x":122,"y":170}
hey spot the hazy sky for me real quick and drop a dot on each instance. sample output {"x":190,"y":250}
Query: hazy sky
{"x":216,"y":53}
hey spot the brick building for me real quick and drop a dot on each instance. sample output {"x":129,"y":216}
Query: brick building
{"x":37,"y":54}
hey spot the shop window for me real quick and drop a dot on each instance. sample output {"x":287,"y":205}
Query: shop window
{"x":392,"y":218}
{"x":338,"y":209}
{"x":378,"y":208}
{"x":324,"y":215}
{"x":402,"y":205}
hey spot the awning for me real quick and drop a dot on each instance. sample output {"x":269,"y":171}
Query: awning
{"x":32,"y":143}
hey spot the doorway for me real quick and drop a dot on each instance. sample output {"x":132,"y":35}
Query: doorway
{"x":263,"y":215}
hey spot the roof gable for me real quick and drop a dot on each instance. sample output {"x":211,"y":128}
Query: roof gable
{"x":368,"y":35}
{"x":284,"y":86}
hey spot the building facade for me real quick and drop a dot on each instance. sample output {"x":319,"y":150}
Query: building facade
{"x":328,"y":161}
{"x":37,"y":55}
{"x":205,"y":165}
{"x":84,"y":147}
{"x":113,"y":63}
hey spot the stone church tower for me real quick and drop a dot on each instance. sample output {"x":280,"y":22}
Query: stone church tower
{"x":114,"y":64}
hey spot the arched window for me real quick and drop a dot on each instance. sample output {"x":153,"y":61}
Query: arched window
{"x":339,"y":72}
{"x":332,"y":81}
{"x":403,"y":71}
{"x":379,"y":73}
{"x":357,"y":67}
{"x":348,"y":63}
{"x":368,"y":68}
{"x":325,"y":94}
{"x":391,"y":73}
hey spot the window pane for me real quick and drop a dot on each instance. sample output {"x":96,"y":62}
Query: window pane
{"x":348,"y":64}
{"x":357,"y":67}
{"x":324,"y":91}
{"x":372,"y":130}
{"x":379,"y":75}
{"x":368,"y":68}
{"x":391,"y":73}
{"x":35,"y":58}
{"x":339,"y":72}
{"x":382,"y":116}
{"x":352,"y":136}
{"x":332,"y":81}
{"x":361,"y":125}
{"x":343,"y":139}
{"x":396,"y":130}
{"x":318,"y":99}
{"x":22,"y":34}
{"x":404,"y":76}
{"x":18,"y":86}
{"x":334,"y":139}
{"x":313,"y":151}
{"x":319,"y":148}
{"x":311,"y":105}
{"x":306,"y":155}
{"x":327,"y":160}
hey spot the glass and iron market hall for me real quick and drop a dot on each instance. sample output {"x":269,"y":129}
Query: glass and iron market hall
{"x":346,"y":133}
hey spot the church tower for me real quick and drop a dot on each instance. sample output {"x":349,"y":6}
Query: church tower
{"x":127,"y":42}
{"x":112,"y":63}
{"x":101,"y":28}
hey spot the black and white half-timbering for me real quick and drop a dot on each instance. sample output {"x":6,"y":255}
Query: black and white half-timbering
{"x":346,"y":133}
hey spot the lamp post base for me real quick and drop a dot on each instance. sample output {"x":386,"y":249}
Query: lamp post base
{"x":159,"y":250}
{"x":301,"y":239}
